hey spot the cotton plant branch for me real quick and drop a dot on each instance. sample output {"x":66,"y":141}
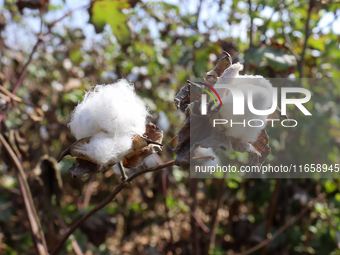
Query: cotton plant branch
{"x":22,"y":74}
{"x":194,"y":232}
{"x":35,"y":225}
{"x":271,"y":211}
{"x":185,"y":200}
{"x":122,"y":185}
{"x":285,"y":227}
{"x":167,"y":211}
{"x":88,"y":192}
{"x":74,"y":242}
{"x":20,"y":100}
{"x":52,"y":24}
{"x":215,"y":219}
{"x":35,"y":47}
{"x":289,"y":43}
{"x":307,"y":34}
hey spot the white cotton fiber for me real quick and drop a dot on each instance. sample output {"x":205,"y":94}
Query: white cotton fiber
{"x":262,"y":100}
{"x":111,"y":115}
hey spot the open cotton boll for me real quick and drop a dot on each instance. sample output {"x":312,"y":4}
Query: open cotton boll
{"x":228,"y":78}
{"x":106,"y":150}
{"x":111,"y":115}
{"x":262,"y":100}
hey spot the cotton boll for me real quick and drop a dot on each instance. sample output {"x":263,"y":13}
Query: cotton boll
{"x":105,"y":149}
{"x":262,"y":100}
{"x":228,"y":78}
{"x":111,"y":115}
{"x":231,"y":72}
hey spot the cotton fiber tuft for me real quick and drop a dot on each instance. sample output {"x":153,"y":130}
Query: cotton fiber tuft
{"x":262,"y":100}
{"x":111,"y":115}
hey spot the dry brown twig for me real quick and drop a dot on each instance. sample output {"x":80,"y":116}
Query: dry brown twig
{"x":122,"y":185}
{"x":75,"y":244}
{"x":215,"y":219}
{"x":37,"y":233}
{"x":284,"y":227}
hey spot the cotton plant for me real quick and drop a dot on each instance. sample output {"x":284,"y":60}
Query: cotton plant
{"x":262,"y":98}
{"x":238,"y":137}
{"x":111,"y":127}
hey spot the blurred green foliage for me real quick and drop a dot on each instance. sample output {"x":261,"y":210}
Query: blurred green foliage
{"x":158,"y":46}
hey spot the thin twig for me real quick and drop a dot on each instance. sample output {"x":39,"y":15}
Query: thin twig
{"x":37,"y":233}
{"x":113,"y":194}
{"x":215,"y":218}
{"x":167,"y":212}
{"x":307,"y":34}
{"x":20,"y":100}
{"x":283,"y":228}
{"x":289,"y":43}
{"x":198,"y":12}
{"x":185,"y":200}
{"x":164,"y":188}
{"x":75,"y":244}
{"x":194,"y":229}
{"x":333,"y":225}
{"x":88,"y":192}
{"x":271,"y":211}
{"x":50,"y":25}
{"x":24,"y":70}
{"x":22,"y":75}
{"x":251,"y":36}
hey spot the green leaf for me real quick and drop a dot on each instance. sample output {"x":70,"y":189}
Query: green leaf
{"x":275,"y":57}
{"x":109,"y":11}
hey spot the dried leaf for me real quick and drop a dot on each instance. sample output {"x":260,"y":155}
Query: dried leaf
{"x":18,"y":143}
{"x":221,"y":66}
{"x":276,"y":115}
{"x":32,"y":4}
{"x":258,"y":151}
{"x":48,"y":175}
{"x":262,"y":145}
{"x":183,"y":145}
{"x":73,"y":150}
{"x":84,"y":167}
{"x":153,"y":134}
{"x":97,"y":227}
{"x":186,"y":95}
{"x":197,"y":131}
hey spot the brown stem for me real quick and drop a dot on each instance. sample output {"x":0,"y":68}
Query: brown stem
{"x":215,"y":218}
{"x":283,"y":228}
{"x":75,"y":244}
{"x":289,"y":43}
{"x":24,"y":70}
{"x":307,"y":34}
{"x":68,"y":14}
{"x":271,"y":212}
{"x":185,"y":200}
{"x":37,"y":233}
{"x":88,"y":192}
{"x":251,"y":25}
{"x":108,"y":199}
{"x":164,"y":187}
{"x":22,"y":75}
{"x":194,"y":229}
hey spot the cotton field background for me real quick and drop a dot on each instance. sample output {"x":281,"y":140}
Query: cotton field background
{"x":102,"y":87}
